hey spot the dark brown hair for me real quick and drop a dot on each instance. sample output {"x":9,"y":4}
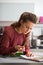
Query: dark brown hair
{"x":26,"y":16}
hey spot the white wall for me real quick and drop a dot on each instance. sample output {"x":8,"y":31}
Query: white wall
{"x":38,"y":4}
{"x":12,"y":11}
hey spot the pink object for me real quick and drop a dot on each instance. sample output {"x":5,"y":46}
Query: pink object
{"x":41,"y":19}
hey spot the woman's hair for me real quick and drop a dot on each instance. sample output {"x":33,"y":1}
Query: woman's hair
{"x":26,"y":16}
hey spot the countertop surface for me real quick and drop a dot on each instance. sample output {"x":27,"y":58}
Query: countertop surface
{"x":14,"y":60}
{"x":19,"y":59}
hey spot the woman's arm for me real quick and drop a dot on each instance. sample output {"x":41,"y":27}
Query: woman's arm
{"x":27,"y":45}
{"x":5,"y":43}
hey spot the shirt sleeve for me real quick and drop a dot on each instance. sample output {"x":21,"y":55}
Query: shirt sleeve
{"x":4,"y":44}
{"x":27,"y":46}
{"x":27,"y":43}
{"x":5,"y":47}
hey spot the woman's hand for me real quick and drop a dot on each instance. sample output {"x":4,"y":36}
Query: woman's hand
{"x":20,"y":48}
{"x":29,"y":54}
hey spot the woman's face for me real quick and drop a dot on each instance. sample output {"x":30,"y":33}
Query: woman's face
{"x":27,"y":27}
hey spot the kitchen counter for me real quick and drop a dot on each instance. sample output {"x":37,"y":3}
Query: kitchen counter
{"x":15,"y":60}
{"x":36,"y":50}
{"x":19,"y":60}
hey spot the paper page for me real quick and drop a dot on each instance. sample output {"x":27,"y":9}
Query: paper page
{"x":35,"y":57}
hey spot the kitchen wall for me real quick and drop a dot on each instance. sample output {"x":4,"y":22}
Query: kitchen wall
{"x":38,"y":4}
{"x":7,"y":12}
{"x":10,"y":12}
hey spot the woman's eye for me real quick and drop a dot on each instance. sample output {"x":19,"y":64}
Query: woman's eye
{"x":27,"y":27}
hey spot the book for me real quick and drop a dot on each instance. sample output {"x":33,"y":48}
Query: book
{"x":33,"y":58}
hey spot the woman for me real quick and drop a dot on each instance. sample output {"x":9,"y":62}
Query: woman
{"x":16,"y":36}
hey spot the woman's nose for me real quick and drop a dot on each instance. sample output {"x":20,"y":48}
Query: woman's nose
{"x":28,"y":30}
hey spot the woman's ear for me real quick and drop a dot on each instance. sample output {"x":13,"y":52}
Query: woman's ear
{"x":21,"y":22}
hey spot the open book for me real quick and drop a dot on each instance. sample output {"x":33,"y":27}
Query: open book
{"x":33,"y":58}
